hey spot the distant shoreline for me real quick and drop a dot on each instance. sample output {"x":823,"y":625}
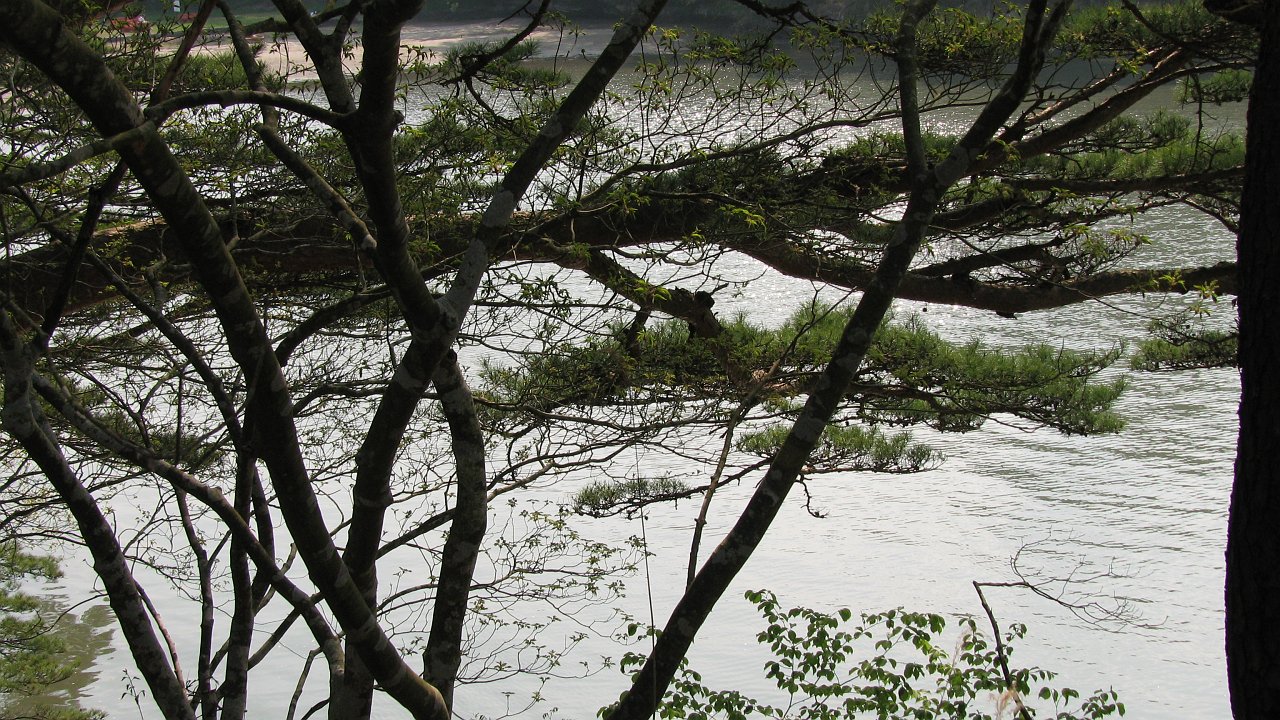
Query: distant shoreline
{"x":435,"y":38}
{"x":555,"y":42}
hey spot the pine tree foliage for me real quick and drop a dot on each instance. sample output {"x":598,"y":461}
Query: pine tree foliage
{"x":33,"y":655}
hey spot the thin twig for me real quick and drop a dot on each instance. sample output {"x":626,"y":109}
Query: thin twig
{"x":1001,"y":655}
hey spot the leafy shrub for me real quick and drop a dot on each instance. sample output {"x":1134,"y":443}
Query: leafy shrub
{"x":893,"y":664}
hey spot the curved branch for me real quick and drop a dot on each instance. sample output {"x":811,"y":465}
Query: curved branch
{"x":22,"y":419}
{"x":36,"y":33}
{"x":211,"y":497}
{"x":161,"y":111}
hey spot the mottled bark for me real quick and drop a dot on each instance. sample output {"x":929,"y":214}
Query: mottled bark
{"x":443,"y":655}
{"x":370,"y":498}
{"x":324,"y":50}
{"x":233,"y":694}
{"x":369,"y":141}
{"x":1253,"y":529}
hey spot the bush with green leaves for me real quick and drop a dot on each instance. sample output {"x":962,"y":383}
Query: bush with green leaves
{"x":893,"y":664}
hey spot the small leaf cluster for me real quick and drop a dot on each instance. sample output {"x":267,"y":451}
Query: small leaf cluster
{"x":850,"y":447}
{"x":1111,"y":31}
{"x":1228,"y":86}
{"x":1159,"y":145}
{"x":1183,"y":342}
{"x":954,"y":41}
{"x":610,"y":497}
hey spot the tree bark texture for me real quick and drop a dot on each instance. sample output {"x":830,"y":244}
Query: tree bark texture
{"x":36,"y":33}
{"x":1253,"y":529}
{"x":37,"y":273}
{"x":443,"y":655}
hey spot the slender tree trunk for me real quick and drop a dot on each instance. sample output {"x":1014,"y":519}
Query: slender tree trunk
{"x":371,"y":496}
{"x":1253,"y":531}
{"x":443,"y":655}
{"x":234,"y":692}
{"x":650,"y":683}
{"x":23,"y":419}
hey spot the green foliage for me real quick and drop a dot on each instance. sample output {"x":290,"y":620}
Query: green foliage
{"x":894,"y":664}
{"x":667,"y":353}
{"x":1154,"y":146}
{"x":187,"y":446}
{"x":911,"y":376}
{"x":609,"y":497}
{"x":746,"y":51}
{"x":447,"y":160}
{"x":740,"y":174}
{"x":849,"y":448}
{"x":954,"y":41}
{"x":585,"y":375}
{"x":218,"y":71}
{"x":506,"y":71}
{"x":1182,"y":342}
{"x":552,"y":561}
{"x":1227,"y":86}
{"x":32,"y":656}
{"x":1132,"y":134}
{"x":1111,"y":31}
{"x":880,"y":147}
{"x":789,"y":189}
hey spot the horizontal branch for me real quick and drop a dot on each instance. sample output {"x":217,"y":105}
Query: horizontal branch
{"x":308,"y":252}
{"x":228,"y":98}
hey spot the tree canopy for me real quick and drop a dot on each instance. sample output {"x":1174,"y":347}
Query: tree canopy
{"x":314,"y":290}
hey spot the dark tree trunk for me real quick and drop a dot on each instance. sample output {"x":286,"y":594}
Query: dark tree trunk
{"x":1253,"y":532}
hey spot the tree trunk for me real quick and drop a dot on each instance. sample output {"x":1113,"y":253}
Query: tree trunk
{"x":443,"y":655}
{"x":1253,"y":536}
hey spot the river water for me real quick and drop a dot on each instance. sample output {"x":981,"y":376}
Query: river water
{"x":1145,"y":508}
{"x":1142,"y":513}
